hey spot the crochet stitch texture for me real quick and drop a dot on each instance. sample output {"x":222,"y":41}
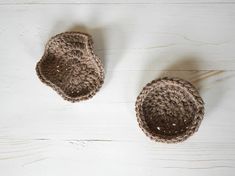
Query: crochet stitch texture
{"x":70,"y":66}
{"x":169,"y":110}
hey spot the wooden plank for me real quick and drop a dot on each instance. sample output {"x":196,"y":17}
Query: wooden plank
{"x":117,"y":2}
{"x":116,"y":158}
{"x":160,"y":38}
{"x":32,"y":110}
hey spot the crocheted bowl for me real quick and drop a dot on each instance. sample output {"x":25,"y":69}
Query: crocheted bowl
{"x":169,"y":110}
{"x":70,"y":67}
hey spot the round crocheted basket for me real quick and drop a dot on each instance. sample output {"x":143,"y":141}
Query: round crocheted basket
{"x":169,"y":110}
{"x":70,"y":67}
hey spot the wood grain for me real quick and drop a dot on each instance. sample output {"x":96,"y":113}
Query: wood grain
{"x":138,"y":41}
{"x":117,"y":2}
{"x":123,"y":38}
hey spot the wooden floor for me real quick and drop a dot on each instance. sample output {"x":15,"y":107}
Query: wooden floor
{"x":138,"y":41}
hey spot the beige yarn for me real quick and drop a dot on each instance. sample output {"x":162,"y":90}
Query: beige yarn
{"x":70,"y":67}
{"x":169,"y":110}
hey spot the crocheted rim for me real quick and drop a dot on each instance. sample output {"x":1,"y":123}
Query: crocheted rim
{"x":97,"y":60}
{"x":195,"y":123}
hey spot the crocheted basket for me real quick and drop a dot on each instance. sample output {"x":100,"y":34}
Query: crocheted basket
{"x":169,"y":110}
{"x":70,"y":67}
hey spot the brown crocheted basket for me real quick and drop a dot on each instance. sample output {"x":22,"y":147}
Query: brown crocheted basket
{"x":70,"y":67}
{"x":169,"y":110}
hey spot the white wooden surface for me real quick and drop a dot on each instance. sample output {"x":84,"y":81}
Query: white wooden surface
{"x":43,"y":135}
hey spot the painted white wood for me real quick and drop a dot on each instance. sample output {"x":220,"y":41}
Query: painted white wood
{"x":41,"y":134}
{"x":117,"y":1}
{"x":161,"y":34}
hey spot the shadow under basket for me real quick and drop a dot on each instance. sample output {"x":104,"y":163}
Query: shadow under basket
{"x":70,"y":67}
{"x":169,"y":110}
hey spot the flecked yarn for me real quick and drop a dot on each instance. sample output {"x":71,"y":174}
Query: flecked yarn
{"x":70,"y":67}
{"x":169,"y":110}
